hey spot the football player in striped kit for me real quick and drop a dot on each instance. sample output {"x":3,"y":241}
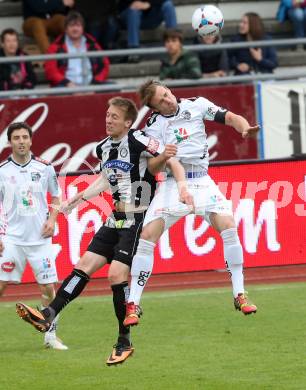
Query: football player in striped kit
{"x":27,"y":224}
{"x":181,"y":122}
{"x":129,"y":161}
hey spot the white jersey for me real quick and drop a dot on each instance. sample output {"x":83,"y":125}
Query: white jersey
{"x":23,"y":196}
{"x":186,"y":129}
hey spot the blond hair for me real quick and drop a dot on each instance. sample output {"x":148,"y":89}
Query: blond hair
{"x":126,"y":105}
{"x":147,"y":91}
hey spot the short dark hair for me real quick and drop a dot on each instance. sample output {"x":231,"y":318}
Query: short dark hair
{"x":126,"y":105}
{"x":8,"y":31}
{"x":17,"y":126}
{"x":173,"y":33}
{"x":74,"y":16}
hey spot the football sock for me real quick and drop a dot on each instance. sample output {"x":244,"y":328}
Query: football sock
{"x":71,"y":288}
{"x":142,"y":266}
{"x":53,"y":328}
{"x":233,"y":255}
{"x":120,"y":297}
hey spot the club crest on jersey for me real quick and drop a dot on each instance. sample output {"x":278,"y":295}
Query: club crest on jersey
{"x":181,"y":134}
{"x":186,"y":115}
{"x":35,"y":176}
{"x":123,"y":152}
{"x":211,"y":112}
{"x":118,"y":164}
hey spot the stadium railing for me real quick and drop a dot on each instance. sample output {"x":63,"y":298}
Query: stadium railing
{"x":154,"y":51}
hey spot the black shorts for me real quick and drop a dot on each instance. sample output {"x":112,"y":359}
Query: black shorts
{"x":118,"y":238}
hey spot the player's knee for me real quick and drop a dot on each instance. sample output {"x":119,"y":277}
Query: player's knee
{"x":117,"y":276}
{"x":152,"y":231}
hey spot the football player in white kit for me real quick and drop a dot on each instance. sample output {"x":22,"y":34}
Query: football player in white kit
{"x":181,"y":122}
{"x":27,"y":225}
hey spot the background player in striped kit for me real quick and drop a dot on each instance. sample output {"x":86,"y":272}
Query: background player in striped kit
{"x":182,"y":122}
{"x":128,"y":170}
{"x":27,"y":225}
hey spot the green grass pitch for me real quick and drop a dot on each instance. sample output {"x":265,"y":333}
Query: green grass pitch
{"x":187,"y":340}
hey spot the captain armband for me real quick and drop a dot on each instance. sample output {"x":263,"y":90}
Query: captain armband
{"x":220,"y":116}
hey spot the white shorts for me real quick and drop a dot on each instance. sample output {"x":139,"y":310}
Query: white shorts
{"x":40,"y":257}
{"x":207,"y":198}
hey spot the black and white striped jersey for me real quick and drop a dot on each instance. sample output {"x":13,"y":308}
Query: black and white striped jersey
{"x":124,"y":163}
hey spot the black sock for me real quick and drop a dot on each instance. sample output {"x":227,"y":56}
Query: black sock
{"x":71,"y":288}
{"x":120,"y":296}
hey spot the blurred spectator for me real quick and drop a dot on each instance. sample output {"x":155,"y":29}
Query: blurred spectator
{"x":214,"y":63}
{"x":295,"y":11}
{"x":76,"y":71}
{"x":247,"y":60}
{"x":180,"y":63}
{"x":97,"y":14}
{"x":17,"y":75}
{"x":141,"y":15}
{"x":43,"y":18}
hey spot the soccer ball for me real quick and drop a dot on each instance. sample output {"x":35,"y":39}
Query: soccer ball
{"x":207,"y":20}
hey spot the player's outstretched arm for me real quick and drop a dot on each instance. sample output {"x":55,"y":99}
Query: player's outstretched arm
{"x":239,"y":123}
{"x":158,"y":164}
{"x":93,"y":190}
{"x":179,"y":174}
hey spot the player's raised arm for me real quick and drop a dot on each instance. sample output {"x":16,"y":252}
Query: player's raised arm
{"x":101,"y":184}
{"x":241,"y":124}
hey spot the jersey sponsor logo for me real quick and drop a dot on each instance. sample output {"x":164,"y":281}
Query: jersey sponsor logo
{"x":152,"y":145}
{"x":35,"y":176}
{"x":118,"y":164}
{"x":181,"y":134}
{"x":186,"y":115}
{"x":123,"y":152}
{"x":8,"y":266}
{"x":13,"y":180}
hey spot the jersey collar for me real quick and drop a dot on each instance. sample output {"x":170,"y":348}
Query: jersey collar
{"x":20,"y":165}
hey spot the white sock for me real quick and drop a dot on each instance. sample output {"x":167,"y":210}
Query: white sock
{"x":142,"y":266}
{"x":233,"y":256}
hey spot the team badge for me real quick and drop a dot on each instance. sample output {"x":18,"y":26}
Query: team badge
{"x":186,"y":115}
{"x":123,"y":152}
{"x":35,"y":176}
{"x":112,"y":179}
